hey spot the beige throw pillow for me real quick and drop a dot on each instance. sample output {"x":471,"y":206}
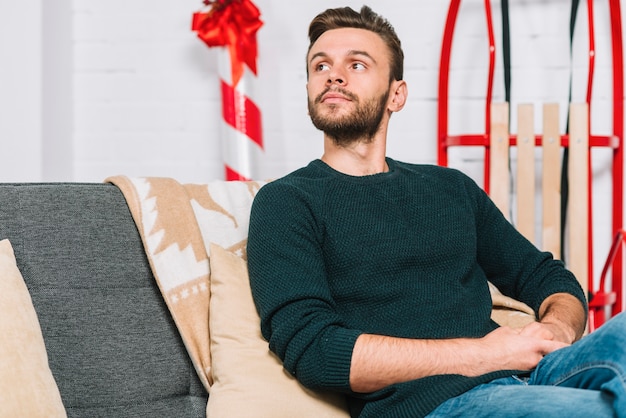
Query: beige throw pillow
{"x":508,"y":311}
{"x":27,"y":387}
{"x":249,"y":381}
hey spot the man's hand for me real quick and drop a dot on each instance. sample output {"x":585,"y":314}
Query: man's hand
{"x":514,"y":349}
{"x":547,"y":330}
{"x":561,"y":322}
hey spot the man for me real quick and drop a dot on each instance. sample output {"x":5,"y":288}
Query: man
{"x":370,"y":275}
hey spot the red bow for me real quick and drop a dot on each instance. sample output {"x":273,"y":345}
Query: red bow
{"x":233,"y":24}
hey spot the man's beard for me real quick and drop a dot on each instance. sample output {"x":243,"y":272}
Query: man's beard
{"x":359,"y":126}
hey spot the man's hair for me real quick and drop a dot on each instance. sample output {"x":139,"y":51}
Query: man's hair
{"x":345,"y":17}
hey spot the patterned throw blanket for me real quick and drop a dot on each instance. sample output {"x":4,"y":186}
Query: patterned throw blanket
{"x":177,"y":223}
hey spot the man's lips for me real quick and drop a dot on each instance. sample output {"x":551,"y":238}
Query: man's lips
{"x":334,"y":97}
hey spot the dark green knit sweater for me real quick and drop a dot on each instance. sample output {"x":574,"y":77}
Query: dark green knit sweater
{"x":406,"y":253}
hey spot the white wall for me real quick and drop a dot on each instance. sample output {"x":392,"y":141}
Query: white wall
{"x":126,"y":87}
{"x":94,"y":88}
{"x":20,"y":90}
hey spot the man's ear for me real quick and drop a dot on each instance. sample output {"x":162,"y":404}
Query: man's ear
{"x":398,"y":92}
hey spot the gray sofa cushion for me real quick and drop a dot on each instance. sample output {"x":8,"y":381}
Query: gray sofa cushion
{"x":112,"y":345}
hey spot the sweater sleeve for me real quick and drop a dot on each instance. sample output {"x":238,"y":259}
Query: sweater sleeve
{"x":290,"y":289}
{"x":514,"y":264}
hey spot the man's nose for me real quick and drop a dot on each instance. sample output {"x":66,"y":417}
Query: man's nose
{"x":335,"y":77}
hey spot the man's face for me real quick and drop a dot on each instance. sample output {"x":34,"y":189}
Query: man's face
{"x":348,"y":86}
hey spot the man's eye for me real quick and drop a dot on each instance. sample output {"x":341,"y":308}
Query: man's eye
{"x":358,"y":66}
{"x":321,"y":67}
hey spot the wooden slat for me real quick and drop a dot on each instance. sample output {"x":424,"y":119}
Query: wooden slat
{"x":578,"y":211}
{"x":551,"y":180}
{"x":578,"y":175}
{"x":499,"y":180}
{"x":526,"y":171}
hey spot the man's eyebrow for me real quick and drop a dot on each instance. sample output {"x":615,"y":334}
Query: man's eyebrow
{"x":354,"y":52}
{"x":316,"y":55}
{"x":363,"y":53}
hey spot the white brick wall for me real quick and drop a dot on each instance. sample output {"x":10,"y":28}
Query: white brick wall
{"x":145,"y":96}
{"x":93,"y":88}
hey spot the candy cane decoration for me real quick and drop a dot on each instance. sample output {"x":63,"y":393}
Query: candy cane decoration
{"x":233,"y":24}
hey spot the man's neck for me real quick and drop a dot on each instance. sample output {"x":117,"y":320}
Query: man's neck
{"x":359,"y":159}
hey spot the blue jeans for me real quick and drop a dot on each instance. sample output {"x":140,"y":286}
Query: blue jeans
{"x":586,"y":379}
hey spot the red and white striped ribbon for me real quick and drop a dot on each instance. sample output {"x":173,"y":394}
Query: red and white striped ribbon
{"x":242,"y":133}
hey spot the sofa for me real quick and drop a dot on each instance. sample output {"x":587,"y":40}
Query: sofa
{"x":111,"y":344}
{"x":130,"y":298}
